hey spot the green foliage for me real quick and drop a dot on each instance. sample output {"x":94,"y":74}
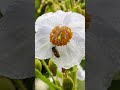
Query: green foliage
{"x":44,"y":6}
{"x":80,"y":85}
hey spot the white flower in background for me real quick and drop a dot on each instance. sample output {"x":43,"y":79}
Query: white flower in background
{"x":80,"y":73}
{"x":60,"y":35}
{"x":40,"y":85}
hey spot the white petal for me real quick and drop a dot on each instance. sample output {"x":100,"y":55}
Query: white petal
{"x":42,"y":45}
{"x":78,"y":28}
{"x":66,"y":59}
{"x":67,"y":18}
{"x":77,"y":24}
{"x":71,"y":54}
{"x":80,"y":73}
{"x":43,"y":51}
{"x":74,"y":18}
{"x":79,"y":44}
{"x":79,"y":32}
{"x":43,"y":32}
{"x":49,"y":19}
{"x":60,"y":17}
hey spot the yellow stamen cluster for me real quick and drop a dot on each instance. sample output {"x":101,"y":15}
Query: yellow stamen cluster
{"x":60,"y":36}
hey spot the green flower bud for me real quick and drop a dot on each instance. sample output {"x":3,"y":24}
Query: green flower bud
{"x":52,"y":66}
{"x":38,"y":64}
{"x":57,"y":82}
{"x":6,"y":84}
{"x":67,"y":83}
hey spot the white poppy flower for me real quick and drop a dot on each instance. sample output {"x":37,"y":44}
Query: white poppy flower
{"x":40,"y":85}
{"x":61,"y":36}
{"x":80,"y":73}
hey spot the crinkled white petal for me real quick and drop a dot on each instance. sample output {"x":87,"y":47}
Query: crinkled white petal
{"x":42,"y":44}
{"x":79,"y":29}
{"x":73,"y":18}
{"x":71,"y":54}
{"x":76,"y":22}
{"x":78,"y":43}
{"x":50,"y":19}
{"x":40,"y":19}
{"x":60,"y":17}
{"x":80,"y":73}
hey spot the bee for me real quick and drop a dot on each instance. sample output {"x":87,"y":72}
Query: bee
{"x":55,"y":52}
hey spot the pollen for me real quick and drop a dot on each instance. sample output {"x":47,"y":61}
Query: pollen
{"x":60,"y":36}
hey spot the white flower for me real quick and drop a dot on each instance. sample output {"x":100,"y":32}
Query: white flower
{"x":80,"y":73}
{"x":40,"y":85}
{"x":61,"y":36}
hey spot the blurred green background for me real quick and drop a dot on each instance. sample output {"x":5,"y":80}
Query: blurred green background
{"x":44,"y":6}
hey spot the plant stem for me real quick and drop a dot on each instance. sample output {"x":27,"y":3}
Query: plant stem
{"x":73,"y":75}
{"x":75,"y":80}
{"x":48,"y":70}
{"x":72,"y":3}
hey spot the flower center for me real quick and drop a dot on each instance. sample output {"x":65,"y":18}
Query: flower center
{"x":60,"y":36}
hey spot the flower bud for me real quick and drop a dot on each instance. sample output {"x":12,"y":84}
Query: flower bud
{"x":38,"y":64}
{"x":52,"y":66}
{"x":57,"y":82}
{"x":67,"y":83}
{"x":6,"y":84}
